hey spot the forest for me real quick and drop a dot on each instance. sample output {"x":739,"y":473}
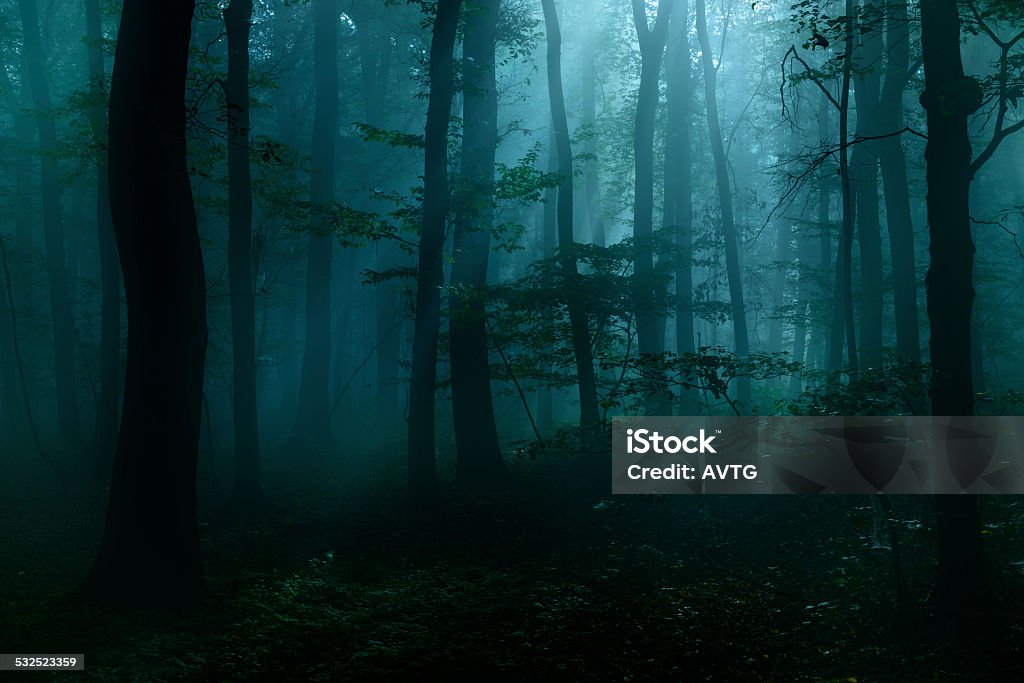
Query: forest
{"x":315,"y":314}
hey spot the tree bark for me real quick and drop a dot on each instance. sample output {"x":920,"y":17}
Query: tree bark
{"x":842,"y":310}
{"x":894,"y":182}
{"x":105,"y":435}
{"x":430,"y":275}
{"x":150,"y":549}
{"x":312,"y":423}
{"x":732,"y":246}
{"x":949,"y":98}
{"x":650,"y":322}
{"x":866,"y":58}
{"x":53,"y":225}
{"x":578,"y":319}
{"x":478,"y":452}
{"x":237,"y":22}
{"x":375,"y":48}
{"x":678,"y":212}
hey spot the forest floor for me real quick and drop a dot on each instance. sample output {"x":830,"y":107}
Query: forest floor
{"x":343,"y":582}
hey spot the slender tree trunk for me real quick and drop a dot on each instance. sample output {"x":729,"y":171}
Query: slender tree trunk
{"x":11,"y":420}
{"x":842,"y":311}
{"x":732,"y":242}
{"x":478,"y":452}
{"x":430,"y":276}
{"x":949,"y":99}
{"x":591,"y":167}
{"x":105,"y":435}
{"x":894,"y":181}
{"x":53,"y":226}
{"x":823,"y":334}
{"x":578,"y":322}
{"x":549,"y":236}
{"x":806,"y":257}
{"x":21,"y":164}
{"x":650,"y":322}
{"x":150,"y":548}
{"x":237,"y":21}
{"x":783,"y":229}
{"x":312,"y":423}
{"x":866,"y":58}
{"x":375,"y":48}
{"x":678,"y":212}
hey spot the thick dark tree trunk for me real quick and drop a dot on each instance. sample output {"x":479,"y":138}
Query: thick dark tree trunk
{"x":430,"y":276}
{"x":894,"y":182}
{"x":578,"y":319}
{"x":650,"y":322}
{"x":949,"y":98}
{"x":150,"y":548}
{"x":237,"y":21}
{"x":867,"y":56}
{"x":313,"y":421}
{"x":53,"y":225}
{"x":732,"y":242}
{"x":478,"y":452}
{"x":105,"y":436}
{"x":678,"y":213}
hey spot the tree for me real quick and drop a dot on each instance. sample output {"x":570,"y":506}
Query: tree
{"x":893,"y":163}
{"x":104,"y":441}
{"x":582,"y":351}
{"x":678,"y":211}
{"x":864,"y":57}
{"x":312,"y":421}
{"x":842,"y":309}
{"x":237,"y":21}
{"x":150,"y":548}
{"x":650,"y":324}
{"x":478,"y":452}
{"x":949,"y":98}
{"x":430,"y":273}
{"x":53,"y":224}
{"x":732,"y":247}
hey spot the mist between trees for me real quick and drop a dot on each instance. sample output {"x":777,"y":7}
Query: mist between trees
{"x":473,"y":230}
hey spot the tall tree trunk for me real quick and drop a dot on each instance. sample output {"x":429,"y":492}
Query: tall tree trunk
{"x":894,"y":181}
{"x":866,"y":57}
{"x":478,"y":452}
{"x":375,"y":47}
{"x":578,"y":319}
{"x":105,"y":436}
{"x":949,"y":98}
{"x":842,"y":310}
{"x":430,"y":276}
{"x":20,"y":164}
{"x":150,"y":548}
{"x":732,"y":242}
{"x":650,"y":322}
{"x":783,"y":229}
{"x":53,"y":226}
{"x":678,"y":212}
{"x":823,"y":334}
{"x":237,"y":21}
{"x":591,"y":166}
{"x":312,"y":423}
